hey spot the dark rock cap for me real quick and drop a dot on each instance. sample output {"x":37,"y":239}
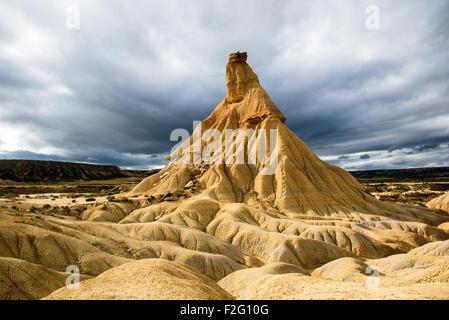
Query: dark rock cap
{"x":238,"y":57}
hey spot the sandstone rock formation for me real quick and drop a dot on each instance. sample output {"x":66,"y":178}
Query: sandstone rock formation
{"x":307,"y":230}
{"x":308,"y":212}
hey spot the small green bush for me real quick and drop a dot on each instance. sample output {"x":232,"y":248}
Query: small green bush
{"x":9,"y":195}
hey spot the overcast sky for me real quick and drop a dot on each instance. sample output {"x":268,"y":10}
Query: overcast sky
{"x":113,"y":90}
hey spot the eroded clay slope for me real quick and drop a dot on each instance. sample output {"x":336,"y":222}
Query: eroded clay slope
{"x":417,"y":275}
{"x":151,"y":279}
{"x":441,"y":203}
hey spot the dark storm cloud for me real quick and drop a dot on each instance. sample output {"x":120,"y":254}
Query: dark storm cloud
{"x":112,"y":91}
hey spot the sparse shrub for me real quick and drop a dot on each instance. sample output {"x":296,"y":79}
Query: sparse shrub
{"x":121,"y":199}
{"x":439,"y":187}
{"x":401,"y":188}
{"x":381,"y":187}
{"x":421,"y":186}
{"x":46,"y":206}
{"x":110,"y":198}
{"x":9,"y":195}
{"x":90,"y":199}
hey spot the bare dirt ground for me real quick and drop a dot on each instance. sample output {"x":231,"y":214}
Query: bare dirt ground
{"x":413,"y":193}
{"x":25,"y":196}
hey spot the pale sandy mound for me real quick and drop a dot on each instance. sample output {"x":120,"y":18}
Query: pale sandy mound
{"x":421,"y":274}
{"x":243,"y":283}
{"x":400,"y":277}
{"x":407,"y":269}
{"x":294,"y":286}
{"x":441,"y":203}
{"x":21,"y":280}
{"x":445,"y":227}
{"x":150,"y":279}
{"x":344,"y":269}
{"x":436,"y":249}
{"x":151,"y":213}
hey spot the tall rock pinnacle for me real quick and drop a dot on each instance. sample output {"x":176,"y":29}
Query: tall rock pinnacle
{"x":275,"y":216}
{"x":302,"y":183}
{"x":246,"y":100}
{"x":239,"y":77}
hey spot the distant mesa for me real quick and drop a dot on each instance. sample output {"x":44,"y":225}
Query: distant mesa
{"x":53,"y":171}
{"x":429,"y":174}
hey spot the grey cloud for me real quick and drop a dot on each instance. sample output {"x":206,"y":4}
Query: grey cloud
{"x":424,"y":156}
{"x":113,"y":91}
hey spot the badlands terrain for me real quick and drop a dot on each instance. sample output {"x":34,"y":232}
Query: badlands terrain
{"x":205,"y":230}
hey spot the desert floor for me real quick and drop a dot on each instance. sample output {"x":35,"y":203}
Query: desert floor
{"x":123,"y":252}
